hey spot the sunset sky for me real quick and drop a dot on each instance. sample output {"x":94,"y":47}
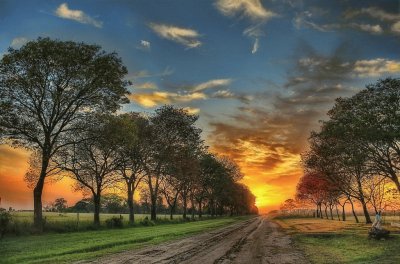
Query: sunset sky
{"x":259,"y":73}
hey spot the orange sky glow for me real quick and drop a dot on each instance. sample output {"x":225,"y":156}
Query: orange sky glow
{"x":271,"y":187}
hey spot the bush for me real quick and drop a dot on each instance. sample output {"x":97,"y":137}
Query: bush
{"x":5,"y":219}
{"x":115,"y":222}
{"x":146,"y":222}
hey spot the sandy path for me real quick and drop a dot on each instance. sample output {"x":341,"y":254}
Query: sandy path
{"x":253,"y":241}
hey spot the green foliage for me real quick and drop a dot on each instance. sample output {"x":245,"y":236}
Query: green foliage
{"x":146,"y":222}
{"x":115,"y":222}
{"x":5,"y":219}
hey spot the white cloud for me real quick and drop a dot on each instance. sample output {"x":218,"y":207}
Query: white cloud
{"x":145,"y":45}
{"x":375,"y":13}
{"x":145,"y":85}
{"x":17,"y":43}
{"x":156,"y":98}
{"x":252,"y":9}
{"x":396,"y":27}
{"x":185,"y":36}
{"x":374,"y":29}
{"x":376,"y":67}
{"x":64,"y":12}
{"x":212,"y":84}
{"x":223,"y":94}
{"x":191,"y":110}
{"x":255,"y":46}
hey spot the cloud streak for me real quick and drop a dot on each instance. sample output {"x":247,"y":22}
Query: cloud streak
{"x":63,"y":11}
{"x":212,"y":84}
{"x":184,"y":36}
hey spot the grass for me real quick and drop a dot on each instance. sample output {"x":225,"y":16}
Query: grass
{"x":69,"y":247}
{"x":333,"y":241}
{"x":21,"y":223}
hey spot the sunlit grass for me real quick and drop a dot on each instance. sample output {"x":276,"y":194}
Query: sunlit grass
{"x":69,"y":247}
{"x":333,"y":241}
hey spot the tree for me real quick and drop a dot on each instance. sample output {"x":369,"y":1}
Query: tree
{"x":132,"y":153}
{"x":60,"y":204}
{"x":113,"y":203}
{"x":312,"y":187}
{"x":289,"y":205}
{"x":171,"y":128}
{"x":93,"y":161}
{"x":46,"y":88}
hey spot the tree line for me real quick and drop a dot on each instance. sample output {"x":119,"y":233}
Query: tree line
{"x":355,"y":156}
{"x":60,"y":99}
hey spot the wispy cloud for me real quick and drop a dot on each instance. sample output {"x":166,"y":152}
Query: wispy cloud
{"x":191,"y":110}
{"x":212,"y":84}
{"x":185,"y":36}
{"x":145,"y":85}
{"x":17,"y":43}
{"x":250,"y":9}
{"x":144,"y":45}
{"x":376,"y":67}
{"x":63,"y":11}
{"x":379,"y":14}
{"x":159,"y":97}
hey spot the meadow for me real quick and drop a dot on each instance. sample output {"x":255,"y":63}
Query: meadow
{"x":22,"y":222}
{"x":75,"y":246}
{"x":333,"y":241}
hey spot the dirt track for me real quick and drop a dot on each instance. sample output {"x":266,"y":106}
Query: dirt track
{"x":253,"y":241}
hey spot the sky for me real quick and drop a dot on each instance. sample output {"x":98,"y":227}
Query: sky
{"x":259,"y":73}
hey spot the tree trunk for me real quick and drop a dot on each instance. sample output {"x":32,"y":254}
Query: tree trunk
{"x":184,"y":198}
{"x":96,"y":217}
{"x":37,"y":193}
{"x":330,"y":210}
{"x":200,"y":209}
{"x":395,"y":179}
{"x":363,"y":203}
{"x":326,"y":212}
{"x":130,"y":203}
{"x":153,"y":208}
{"x":354,"y":213}
{"x":337,"y":212}
{"x":365,"y":210}
{"x":343,"y":212}
{"x":317,"y":215}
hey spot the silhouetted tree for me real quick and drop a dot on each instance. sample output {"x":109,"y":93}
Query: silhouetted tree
{"x":46,"y":88}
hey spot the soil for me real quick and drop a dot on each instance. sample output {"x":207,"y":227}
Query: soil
{"x":257,"y":240}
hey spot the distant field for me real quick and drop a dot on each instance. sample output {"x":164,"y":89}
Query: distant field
{"x":332,"y":241}
{"x":69,"y":247}
{"x":83,"y":217}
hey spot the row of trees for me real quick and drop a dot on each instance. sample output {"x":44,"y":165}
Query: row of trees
{"x":355,"y":157}
{"x":58,"y":99}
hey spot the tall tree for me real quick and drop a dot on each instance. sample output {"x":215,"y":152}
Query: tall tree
{"x":132,"y":154}
{"x":46,"y":88}
{"x":172,"y":128}
{"x":93,"y":160}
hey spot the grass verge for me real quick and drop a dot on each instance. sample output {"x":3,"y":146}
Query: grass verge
{"x":332,"y":241}
{"x":69,"y":247}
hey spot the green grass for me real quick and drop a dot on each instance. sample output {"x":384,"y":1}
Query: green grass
{"x":61,"y":248}
{"x":331,"y":241}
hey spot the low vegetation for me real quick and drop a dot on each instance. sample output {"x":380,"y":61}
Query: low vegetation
{"x":69,"y":247}
{"x":327,"y":241}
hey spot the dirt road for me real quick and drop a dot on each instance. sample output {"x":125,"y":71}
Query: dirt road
{"x":257,"y":240}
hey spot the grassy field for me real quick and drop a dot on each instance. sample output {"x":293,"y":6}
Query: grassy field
{"x":83,"y":217}
{"x":332,"y":241}
{"x":68,"y":247}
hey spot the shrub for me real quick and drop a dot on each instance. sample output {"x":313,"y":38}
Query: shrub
{"x":5,"y":219}
{"x":146,"y":222}
{"x":115,"y":222}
